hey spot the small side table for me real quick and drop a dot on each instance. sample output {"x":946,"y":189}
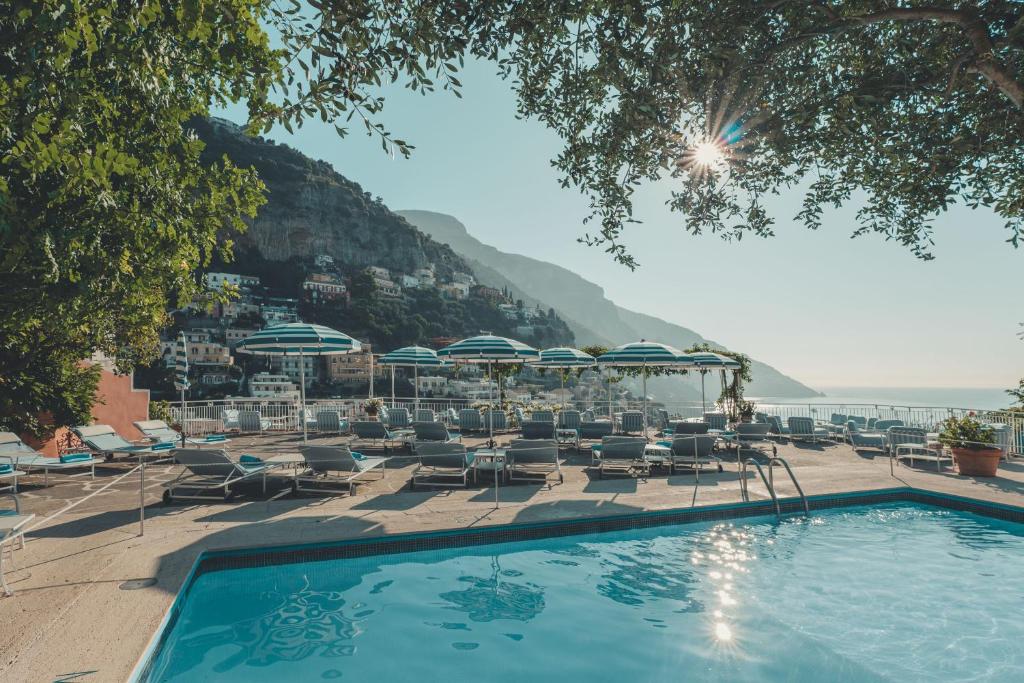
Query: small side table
{"x":490,"y":460}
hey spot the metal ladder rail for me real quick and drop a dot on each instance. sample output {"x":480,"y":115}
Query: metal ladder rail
{"x":771,"y":480}
{"x":767,"y":484}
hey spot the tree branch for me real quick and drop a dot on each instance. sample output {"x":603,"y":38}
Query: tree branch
{"x":985,"y":62}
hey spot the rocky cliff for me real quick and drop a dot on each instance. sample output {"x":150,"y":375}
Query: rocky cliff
{"x":313,"y":209}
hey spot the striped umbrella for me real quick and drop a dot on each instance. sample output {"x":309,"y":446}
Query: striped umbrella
{"x":485,"y":350}
{"x":563,"y":357}
{"x":707,"y":361}
{"x":299,"y":339}
{"x":414,"y":357}
{"x":181,"y":382}
{"x":644,"y":354}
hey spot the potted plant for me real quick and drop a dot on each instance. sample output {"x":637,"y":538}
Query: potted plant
{"x":746,"y":410}
{"x":372,"y":407}
{"x":971,"y":443}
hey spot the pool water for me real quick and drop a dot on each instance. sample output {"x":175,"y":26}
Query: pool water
{"x":893,"y":593}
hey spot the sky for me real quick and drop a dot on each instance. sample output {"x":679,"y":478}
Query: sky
{"x":819,"y":306}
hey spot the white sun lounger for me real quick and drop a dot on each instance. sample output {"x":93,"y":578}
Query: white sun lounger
{"x":103,"y":439}
{"x":27,"y":459}
{"x":158,"y":431}
{"x":336,"y":465}
{"x":209,"y":470}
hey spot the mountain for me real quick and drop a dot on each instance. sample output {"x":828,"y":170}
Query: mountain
{"x":314,"y":211}
{"x":593,"y":318}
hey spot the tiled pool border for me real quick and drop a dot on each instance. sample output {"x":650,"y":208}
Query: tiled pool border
{"x":239,"y":558}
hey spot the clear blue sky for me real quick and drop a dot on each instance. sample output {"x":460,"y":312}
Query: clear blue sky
{"x":828,"y":310}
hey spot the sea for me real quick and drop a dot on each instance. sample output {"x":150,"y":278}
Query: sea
{"x":945,"y":397}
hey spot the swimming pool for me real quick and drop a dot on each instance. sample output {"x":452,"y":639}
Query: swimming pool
{"x":895,"y":592}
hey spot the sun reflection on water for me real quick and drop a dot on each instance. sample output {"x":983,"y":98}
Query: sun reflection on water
{"x":726,"y":553}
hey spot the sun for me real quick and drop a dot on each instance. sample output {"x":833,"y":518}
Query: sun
{"x":708,"y":154}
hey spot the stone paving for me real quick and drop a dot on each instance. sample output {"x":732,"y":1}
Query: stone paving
{"x":70,"y":618}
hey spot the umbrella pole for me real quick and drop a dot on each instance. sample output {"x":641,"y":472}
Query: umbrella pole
{"x":392,"y":386}
{"x":416,"y":388}
{"x":371,"y":374}
{"x":703,"y":400}
{"x":302,"y":394}
{"x":183,"y":414}
{"x":644,"y":371}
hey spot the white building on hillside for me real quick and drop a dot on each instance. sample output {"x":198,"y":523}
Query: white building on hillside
{"x":219,"y":281}
{"x":266,"y":385}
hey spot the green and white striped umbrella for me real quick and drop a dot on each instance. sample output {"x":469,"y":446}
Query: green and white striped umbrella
{"x":415,"y":357}
{"x":563,"y":357}
{"x":488,"y":348}
{"x":181,"y":382}
{"x":707,"y":361}
{"x":714,"y":361}
{"x":645,"y":354}
{"x":298,"y":339}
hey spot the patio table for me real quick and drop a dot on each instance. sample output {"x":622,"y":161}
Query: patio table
{"x":490,"y":460}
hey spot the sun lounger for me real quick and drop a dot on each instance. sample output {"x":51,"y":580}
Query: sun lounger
{"x":694,"y":451}
{"x":470,"y":421}
{"x":534,"y":429}
{"x":229,"y":419}
{"x":102,"y":439}
{"x":776,"y":427}
{"x":716,"y":421}
{"x":663,"y":421}
{"x":754,"y":436}
{"x":803,"y":429}
{"x":423,"y":415}
{"x":432,"y":432}
{"x":398,"y":418}
{"x":12,"y":527}
{"x":543,"y":416}
{"x":251,"y":422}
{"x":375,"y":432}
{"x":623,"y":455}
{"x":336,"y":465}
{"x":860,"y":439}
{"x":157,"y":431}
{"x":911,"y":443}
{"x":27,"y":459}
{"x":690,"y":428}
{"x":529,"y":457}
{"x":441,"y":464}
{"x":207,"y":470}
{"x":330,"y":422}
{"x":595,"y":431}
{"x":632,"y":422}
{"x":569,"y":419}
{"x":9,"y":472}
{"x":587,"y":416}
{"x":500,"y":421}
{"x":451,"y":417}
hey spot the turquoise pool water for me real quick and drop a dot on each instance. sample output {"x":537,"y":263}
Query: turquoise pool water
{"x":894,"y":593}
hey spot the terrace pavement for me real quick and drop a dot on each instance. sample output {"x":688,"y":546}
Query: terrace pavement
{"x":70,"y":620}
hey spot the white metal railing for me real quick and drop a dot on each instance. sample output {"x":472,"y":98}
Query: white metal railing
{"x":204,"y":417}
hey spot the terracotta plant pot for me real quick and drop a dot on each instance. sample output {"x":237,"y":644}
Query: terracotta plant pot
{"x":980,"y":462}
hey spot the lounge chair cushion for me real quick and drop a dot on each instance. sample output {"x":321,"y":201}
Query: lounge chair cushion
{"x":247,"y":459}
{"x":6,"y":468}
{"x":75,"y":457}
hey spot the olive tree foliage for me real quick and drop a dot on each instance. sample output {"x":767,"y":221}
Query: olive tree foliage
{"x":915,"y":104}
{"x":105,"y":208}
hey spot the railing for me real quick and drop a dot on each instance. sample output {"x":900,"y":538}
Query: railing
{"x":203,"y":417}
